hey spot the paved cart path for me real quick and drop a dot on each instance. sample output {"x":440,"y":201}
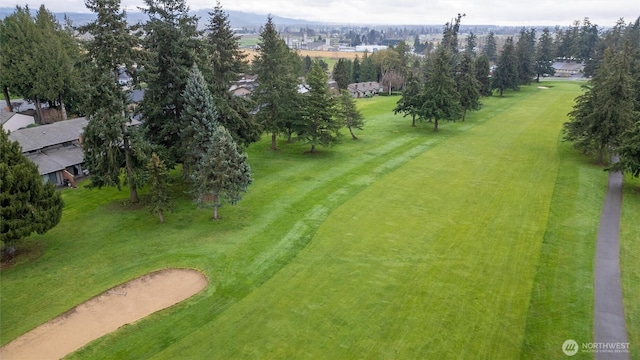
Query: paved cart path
{"x":609,"y":323}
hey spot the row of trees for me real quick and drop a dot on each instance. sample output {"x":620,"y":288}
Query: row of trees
{"x":605,"y":120}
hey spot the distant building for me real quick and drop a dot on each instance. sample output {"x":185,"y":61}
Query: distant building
{"x":370,"y":48}
{"x":566,"y":69}
{"x":364,"y":89}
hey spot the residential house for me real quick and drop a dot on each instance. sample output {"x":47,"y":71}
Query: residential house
{"x":566,"y":69}
{"x":55,"y":149}
{"x":364,"y":89}
{"x":12,"y":121}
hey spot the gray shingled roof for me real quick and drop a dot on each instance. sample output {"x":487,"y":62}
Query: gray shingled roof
{"x":5,"y":116}
{"x":53,"y":160}
{"x":40,"y":137}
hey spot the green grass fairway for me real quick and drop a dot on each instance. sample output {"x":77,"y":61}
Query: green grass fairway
{"x":474,"y":242}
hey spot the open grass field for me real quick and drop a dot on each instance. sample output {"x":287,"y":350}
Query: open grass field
{"x":474,"y":242}
{"x":630,"y":260}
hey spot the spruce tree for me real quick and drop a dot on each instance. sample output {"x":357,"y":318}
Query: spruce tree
{"x":525,"y":54}
{"x":199,"y":119}
{"x":27,"y":205}
{"x":222,"y":174}
{"x":319,"y":125}
{"x":226,"y":63}
{"x":506,"y":74}
{"x":277,"y":68}
{"x":467,"y":85}
{"x":441,"y":99}
{"x":606,"y":110}
{"x":411,"y":100}
{"x":341,"y":73}
{"x":171,"y":42}
{"x":159,"y":187}
{"x":349,"y":113}
{"x":483,"y":75}
{"x":544,"y":55}
{"x":491,"y":49}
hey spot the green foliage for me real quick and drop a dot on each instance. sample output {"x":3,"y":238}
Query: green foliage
{"x":544,"y":55}
{"x":368,"y":70}
{"x":199,"y":120}
{"x":441,"y":99}
{"x":450,"y":34}
{"x":349,"y":113}
{"x":606,"y":110}
{"x":226,"y":61}
{"x":277,"y":95}
{"x":172,"y":47}
{"x":319,"y":125}
{"x":159,"y":187}
{"x":26,"y":204}
{"x":491,"y":49}
{"x":506,"y":75}
{"x":483,"y":75}
{"x":411,"y":100}
{"x":525,"y":54}
{"x":342,"y":73}
{"x":467,"y":85}
{"x":629,"y":151}
{"x":222,"y":174}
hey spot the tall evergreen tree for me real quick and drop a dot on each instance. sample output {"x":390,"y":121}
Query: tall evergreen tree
{"x":411,"y":101}
{"x":483,"y":75}
{"x":506,"y":74}
{"x":277,"y":91}
{"x":227,"y":62}
{"x":27,"y":205}
{"x":491,"y":49}
{"x":368,"y":70}
{"x":349,"y":113}
{"x":341,"y":73}
{"x":544,"y":55}
{"x":171,"y":42}
{"x":467,"y":85}
{"x":606,"y":110}
{"x":450,"y":34}
{"x":525,"y":54}
{"x":159,"y":189}
{"x":319,"y":125}
{"x":222,"y":174}
{"x":355,"y":70}
{"x":441,"y":99}
{"x":109,"y":145}
{"x":199,"y":119}
{"x":471,"y":44}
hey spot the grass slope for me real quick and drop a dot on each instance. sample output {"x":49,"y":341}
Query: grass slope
{"x":630,"y":260}
{"x":403,"y":244}
{"x":437,"y":259}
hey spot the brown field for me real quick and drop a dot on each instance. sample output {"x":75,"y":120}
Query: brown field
{"x":317,"y":54}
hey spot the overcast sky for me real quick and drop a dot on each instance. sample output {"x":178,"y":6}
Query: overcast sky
{"x":605,"y":13}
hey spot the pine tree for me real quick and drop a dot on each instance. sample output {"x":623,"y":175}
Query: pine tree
{"x":341,"y":73}
{"x":368,"y":70}
{"x":171,"y":41}
{"x":491,"y":49}
{"x":411,"y":100}
{"x":277,"y":95}
{"x":525,"y":54}
{"x":350,"y":114}
{"x":227,"y":62}
{"x":483,"y":75}
{"x":158,"y":183}
{"x":27,"y":205}
{"x":606,"y":110}
{"x":199,"y":119}
{"x":467,"y":85}
{"x":506,"y":74}
{"x":355,"y":70}
{"x":109,"y":145}
{"x":223,"y":174}
{"x":441,"y":99}
{"x":319,"y":125}
{"x":544,"y":55}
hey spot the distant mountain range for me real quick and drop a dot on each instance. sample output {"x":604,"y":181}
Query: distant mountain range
{"x":238,"y":19}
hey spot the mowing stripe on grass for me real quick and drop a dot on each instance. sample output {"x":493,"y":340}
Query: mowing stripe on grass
{"x":436,"y":259}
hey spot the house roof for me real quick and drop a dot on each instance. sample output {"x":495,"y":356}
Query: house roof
{"x":567,"y":66}
{"x":40,"y":137}
{"x":57,"y":159}
{"x":5,"y":116}
{"x":364,"y":86}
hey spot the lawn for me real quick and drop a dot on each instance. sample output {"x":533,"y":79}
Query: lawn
{"x":629,"y":260}
{"x":404,"y":244}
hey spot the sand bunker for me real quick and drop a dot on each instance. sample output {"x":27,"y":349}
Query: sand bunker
{"x":542,"y":87}
{"x":105,"y":313}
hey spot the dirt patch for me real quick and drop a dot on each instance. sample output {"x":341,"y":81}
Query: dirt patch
{"x":105,"y":313}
